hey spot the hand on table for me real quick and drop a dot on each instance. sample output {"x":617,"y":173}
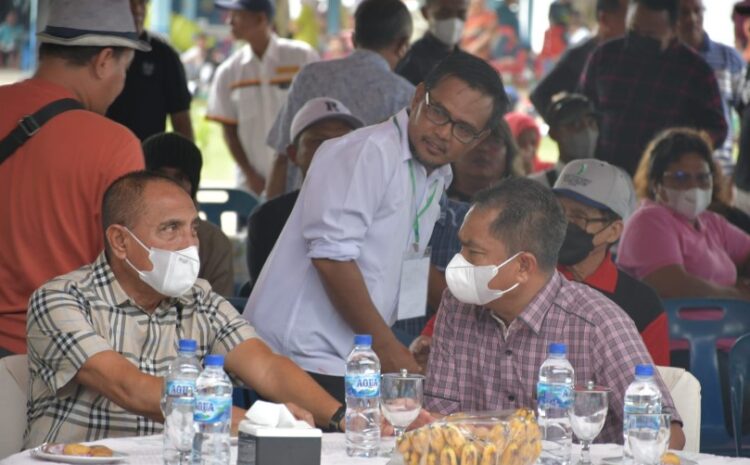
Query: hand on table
{"x":238,"y":414}
{"x":301,"y":414}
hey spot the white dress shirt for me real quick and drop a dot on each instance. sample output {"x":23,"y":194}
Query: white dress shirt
{"x":357,"y":203}
{"x":249,"y":91}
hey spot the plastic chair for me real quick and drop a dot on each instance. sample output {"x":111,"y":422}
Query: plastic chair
{"x":214,"y":202}
{"x":739,"y":373}
{"x":686,"y":394}
{"x":14,"y":384}
{"x":238,"y":303}
{"x":703,"y":322}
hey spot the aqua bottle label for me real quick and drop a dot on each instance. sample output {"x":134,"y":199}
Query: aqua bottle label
{"x":363,"y":386}
{"x":554,"y":395}
{"x":212,"y":409}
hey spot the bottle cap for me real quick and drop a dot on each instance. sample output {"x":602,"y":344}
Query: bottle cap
{"x":188,"y":345}
{"x":644,"y":370}
{"x":362,"y":340}
{"x":558,"y":348}
{"x":214,"y":360}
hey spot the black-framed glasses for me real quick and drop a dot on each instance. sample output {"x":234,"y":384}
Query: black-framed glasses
{"x":684,"y":180}
{"x":438,"y":115}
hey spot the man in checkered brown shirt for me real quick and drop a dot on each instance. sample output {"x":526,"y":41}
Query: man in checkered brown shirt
{"x":101,"y":338}
{"x":649,"y":81}
{"x":486,"y":354}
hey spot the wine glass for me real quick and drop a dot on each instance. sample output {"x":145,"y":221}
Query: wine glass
{"x":648,"y":437}
{"x":401,"y":397}
{"x":587,"y":415}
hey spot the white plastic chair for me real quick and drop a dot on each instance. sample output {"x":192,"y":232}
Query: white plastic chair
{"x":686,"y":394}
{"x":14,"y":382}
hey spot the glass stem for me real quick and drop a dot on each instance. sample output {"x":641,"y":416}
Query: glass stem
{"x":585,"y":454}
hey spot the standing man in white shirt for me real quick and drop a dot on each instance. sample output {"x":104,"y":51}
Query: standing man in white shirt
{"x":251,"y":86}
{"x":353,"y":255}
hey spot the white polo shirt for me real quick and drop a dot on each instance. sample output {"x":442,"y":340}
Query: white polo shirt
{"x":249,"y":91}
{"x":356,"y":203}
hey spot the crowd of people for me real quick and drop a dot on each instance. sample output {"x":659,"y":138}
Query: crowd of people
{"x":405,"y":199}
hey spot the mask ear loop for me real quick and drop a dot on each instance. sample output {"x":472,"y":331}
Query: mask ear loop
{"x":500,"y":266}
{"x":148,"y":249}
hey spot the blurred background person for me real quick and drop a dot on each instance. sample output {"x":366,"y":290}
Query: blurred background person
{"x":672,"y":242}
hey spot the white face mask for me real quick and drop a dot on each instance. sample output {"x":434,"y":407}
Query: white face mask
{"x":689,"y":203}
{"x":447,"y":31}
{"x":470,"y":283}
{"x":174,"y":271}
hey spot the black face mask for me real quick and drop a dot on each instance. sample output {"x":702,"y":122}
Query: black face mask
{"x":577,"y":245}
{"x":642,"y":44}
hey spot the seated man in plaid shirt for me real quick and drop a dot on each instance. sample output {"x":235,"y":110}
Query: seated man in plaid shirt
{"x":505,"y":303}
{"x":101,"y":338}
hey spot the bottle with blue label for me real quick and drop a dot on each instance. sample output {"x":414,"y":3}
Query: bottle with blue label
{"x":362,"y":399}
{"x":178,"y":404}
{"x":554,"y":399}
{"x":213,"y":414}
{"x":642,"y":396}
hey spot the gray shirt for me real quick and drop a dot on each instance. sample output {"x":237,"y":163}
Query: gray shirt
{"x":363,"y":82}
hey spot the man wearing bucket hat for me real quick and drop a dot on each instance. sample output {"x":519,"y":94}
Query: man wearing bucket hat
{"x":58,"y":153}
{"x":597,"y":199}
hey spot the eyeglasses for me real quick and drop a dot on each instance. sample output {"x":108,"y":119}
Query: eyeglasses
{"x":438,"y":115}
{"x":685,"y":180}
{"x":583,"y":221}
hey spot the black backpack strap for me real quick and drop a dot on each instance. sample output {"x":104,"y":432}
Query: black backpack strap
{"x":30,"y":124}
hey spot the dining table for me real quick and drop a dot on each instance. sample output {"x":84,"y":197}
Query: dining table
{"x":146,"y":450}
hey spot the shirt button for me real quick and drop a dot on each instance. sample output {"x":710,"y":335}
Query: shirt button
{"x":508,"y":352}
{"x":511,"y":398}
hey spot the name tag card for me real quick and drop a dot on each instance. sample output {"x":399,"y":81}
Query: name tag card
{"x":412,"y":296}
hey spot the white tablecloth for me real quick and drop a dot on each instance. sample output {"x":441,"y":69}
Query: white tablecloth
{"x":147,"y":451}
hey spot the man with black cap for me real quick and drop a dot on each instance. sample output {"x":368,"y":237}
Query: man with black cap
{"x":175,"y":156}
{"x":155,"y":87}
{"x":597,"y":199}
{"x":58,"y":153}
{"x":252,"y":85}
{"x":573,"y":124}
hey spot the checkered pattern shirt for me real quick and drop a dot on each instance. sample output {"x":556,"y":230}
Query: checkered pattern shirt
{"x":75,"y":316}
{"x":639,"y":95}
{"x":477,"y":364}
{"x":730,"y":75}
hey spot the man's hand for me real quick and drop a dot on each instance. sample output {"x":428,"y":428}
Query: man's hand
{"x":238,"y":414}
{"x":255,"y":182}
{"x":394,"y":357}
{"x":420,"y":349}
{"x":300,"y":413}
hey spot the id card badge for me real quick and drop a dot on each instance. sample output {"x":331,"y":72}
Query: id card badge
{"x":412,"y":296}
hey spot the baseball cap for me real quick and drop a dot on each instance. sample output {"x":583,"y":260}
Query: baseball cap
{"x":566,"y":105}
{"x":597,"y":184}
{"x":248,"y":5}
{"x":319,"y":109}
{"x":92,"y":23}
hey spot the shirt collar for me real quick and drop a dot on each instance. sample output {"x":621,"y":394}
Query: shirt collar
{"x":604,"y":278}
{"x":369,"y":56}
{"x":534,"y":313}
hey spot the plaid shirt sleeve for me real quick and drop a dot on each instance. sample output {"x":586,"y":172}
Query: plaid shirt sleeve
{"x":709,"y":110}
{"x":231,"y":329}
{"x":442,"y":389}
{"x":60,"y":335}
{"x":619,"y":349}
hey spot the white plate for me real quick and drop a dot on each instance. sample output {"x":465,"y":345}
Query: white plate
{"x":618,"y":460}
{"x":40,"y":453}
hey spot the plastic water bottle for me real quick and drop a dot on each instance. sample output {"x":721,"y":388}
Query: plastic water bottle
{"x":213,"y":414}
{"x":554,"y":398}
{"x":642,"y":396}
{"x":178,"y":404}
{"x":362,"y":399}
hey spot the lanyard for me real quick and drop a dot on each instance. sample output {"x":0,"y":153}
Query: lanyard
{"x":419,"y":212}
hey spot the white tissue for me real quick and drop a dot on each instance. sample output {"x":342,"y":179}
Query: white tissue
{"x":273,"y":415}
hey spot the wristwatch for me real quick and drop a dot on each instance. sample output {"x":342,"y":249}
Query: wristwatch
{"x":334,"y":424}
